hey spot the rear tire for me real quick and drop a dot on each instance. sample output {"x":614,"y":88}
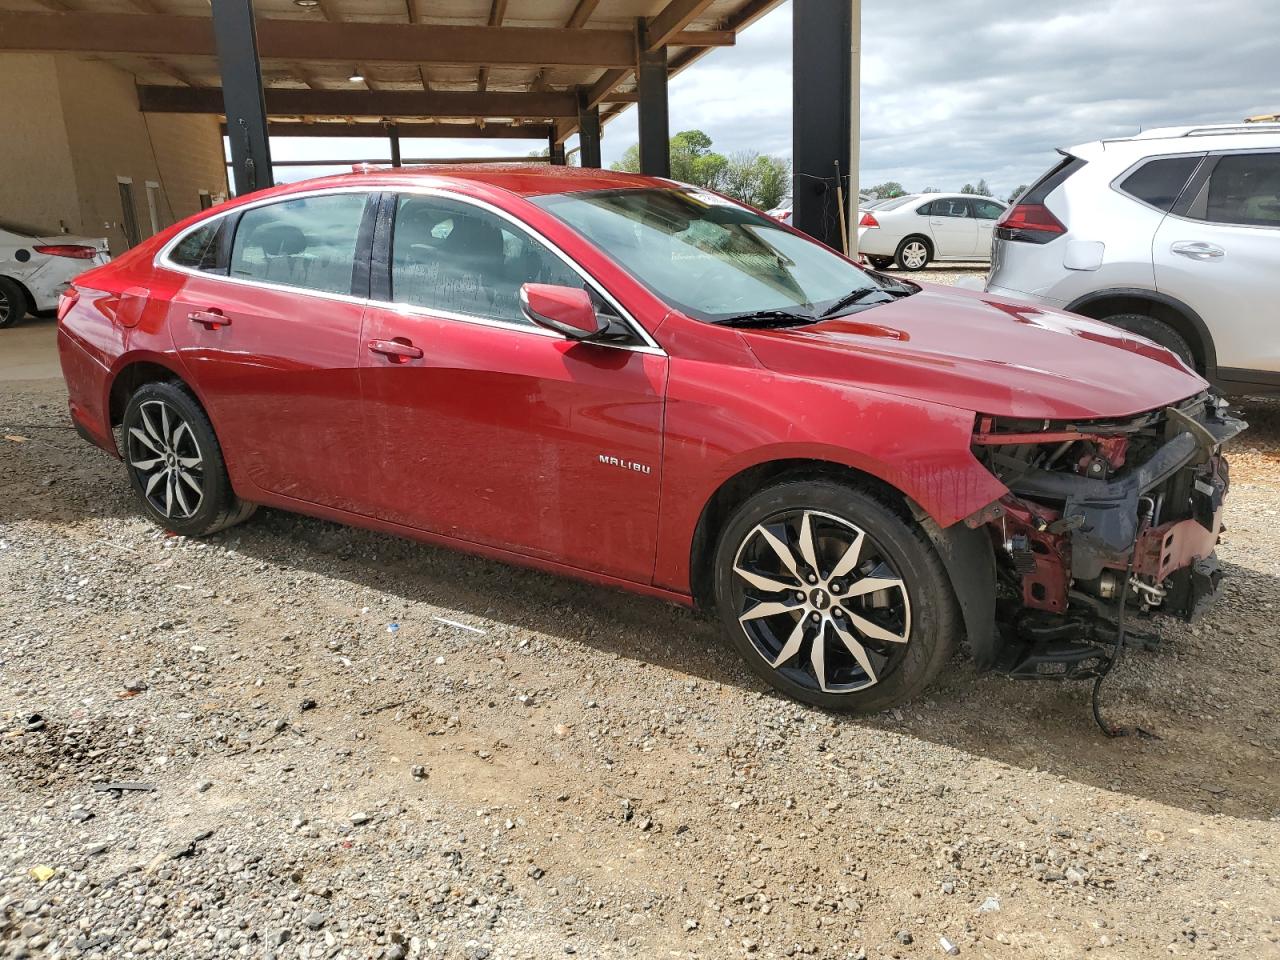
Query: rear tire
{"x":787,"y":555}
{"x":175,"y":463}
{"x":1157,"y":331}
{"x":914,"y":253}
{"x":13,"y":303}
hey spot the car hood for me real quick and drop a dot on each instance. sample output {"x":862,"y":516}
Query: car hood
{"x":984,"y":353}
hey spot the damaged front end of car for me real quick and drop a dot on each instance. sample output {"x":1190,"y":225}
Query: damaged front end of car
{"x":1101,"y":515}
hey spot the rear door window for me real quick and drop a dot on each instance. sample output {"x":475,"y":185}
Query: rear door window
{"x":309,"y":242}
{"x":987,"y":209}
{"x":950,"y":207}
{"x":1244,"y":188}
{"x":1159,"y":182}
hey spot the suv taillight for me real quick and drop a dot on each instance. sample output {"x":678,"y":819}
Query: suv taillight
{"x":66,"y":301}
{"x":1029,"y":223}
{"x":868,"y":220}
{"x":75,"y":251}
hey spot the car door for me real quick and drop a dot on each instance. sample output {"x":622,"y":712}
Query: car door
{"x":985,"y":214}
{"x":269,"y":331}
{"x":489,"y":429}
{"x":1219,"y":253}
{"x":951,"y":224}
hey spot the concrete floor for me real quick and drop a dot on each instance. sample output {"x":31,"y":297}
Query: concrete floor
{"x":29,"y":351}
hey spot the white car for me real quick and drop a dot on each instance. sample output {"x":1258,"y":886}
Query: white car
{"x":35,"y":270}
{"x":914,"y":230}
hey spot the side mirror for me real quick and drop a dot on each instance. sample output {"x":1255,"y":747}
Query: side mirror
{"x":566,"y":310}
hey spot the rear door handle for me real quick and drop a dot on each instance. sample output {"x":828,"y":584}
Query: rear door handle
{"x":398,"y":350}
{"x":211,"y":319}
{"x":1198,"y":250}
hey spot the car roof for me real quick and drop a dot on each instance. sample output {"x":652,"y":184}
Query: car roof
{"x":522,"y":179}
{"x":1185,"y":139}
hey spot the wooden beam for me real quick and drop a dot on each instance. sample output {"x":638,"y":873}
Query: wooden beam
{"x":408,"y":130}
{"x":599,"y":91}
{"x":497,"y":11}
{"x":363,"y":103}
{"x":704,"y":38}
{"x":743,"y":18}
{"x":168,"y":69}
{"x":674,"y":18}
{"x":582,"y":13}
{"x":346,"y":42}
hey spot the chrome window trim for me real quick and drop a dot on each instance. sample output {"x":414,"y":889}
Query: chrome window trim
{"x":649,"y":345}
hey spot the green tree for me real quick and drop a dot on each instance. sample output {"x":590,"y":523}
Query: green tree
{"x":883,"y":191}
{"x":750,"y":176}
{"x":757,"y":179}
{"x":1017,"y":193}
{"x":981,"y":190}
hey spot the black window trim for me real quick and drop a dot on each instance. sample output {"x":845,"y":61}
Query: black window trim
{"x":1193,"y":202}
{"x":1143,"y":161}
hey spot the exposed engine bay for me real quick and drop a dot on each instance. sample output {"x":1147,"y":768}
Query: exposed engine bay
{"x":1102,"y":516}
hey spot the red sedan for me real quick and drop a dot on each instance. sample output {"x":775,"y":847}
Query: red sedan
{"x":654,"y":387}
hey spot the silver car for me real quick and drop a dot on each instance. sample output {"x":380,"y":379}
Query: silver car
{"x":1173,"y":234}
{"x":918,"y":228}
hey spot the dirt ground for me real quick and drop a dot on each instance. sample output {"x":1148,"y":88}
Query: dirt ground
{"x":359,"y":746}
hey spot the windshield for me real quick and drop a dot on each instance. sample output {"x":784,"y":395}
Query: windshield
{"x":709,"y":257}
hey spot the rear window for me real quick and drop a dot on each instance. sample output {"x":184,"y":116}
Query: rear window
{"x":897,"y":202}
{"x":1159,"y":182}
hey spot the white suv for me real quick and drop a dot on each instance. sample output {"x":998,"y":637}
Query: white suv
{"x":1173,"y":234}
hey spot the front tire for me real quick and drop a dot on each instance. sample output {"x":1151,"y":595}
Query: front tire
{"x":914,"y":253}
{"x":13,"y":303}
{"x":175,"y":464}
{"x":833,"y":598}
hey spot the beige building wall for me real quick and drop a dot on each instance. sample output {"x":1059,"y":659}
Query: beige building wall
{"x":87,"y":124}
{"x":37,"y":183}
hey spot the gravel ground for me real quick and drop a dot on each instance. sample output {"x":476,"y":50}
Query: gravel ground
{"x":357,"y":746}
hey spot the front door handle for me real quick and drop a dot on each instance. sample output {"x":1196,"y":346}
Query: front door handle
{"x":211,"y":319}
{"x":398,"y":350}
{"x":1198,"y":250}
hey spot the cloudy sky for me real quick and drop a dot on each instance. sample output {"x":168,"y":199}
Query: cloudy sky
{"x":963,"y":89}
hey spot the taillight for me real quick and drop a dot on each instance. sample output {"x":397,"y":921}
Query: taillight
{"x":1029,"y":223}
{"x":73,"y":250}
{"x":67,"y":300}
{"x":868,"y":220}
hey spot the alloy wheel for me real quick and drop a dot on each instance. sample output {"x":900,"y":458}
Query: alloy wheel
{"x":821,"y":602}
{"x":5,"y":309}
{"x":165,"y":455}
{"x":915,"y":255}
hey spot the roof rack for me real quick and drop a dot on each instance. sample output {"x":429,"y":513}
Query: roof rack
{"x":1252,"y":125}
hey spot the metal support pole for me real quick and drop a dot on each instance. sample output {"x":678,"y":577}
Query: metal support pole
{"x":237,"y":44}
{"x":589,"y":134}
{"x":823,"y":124}
{"x":655,"y":124}
{"x":555,"y":151}
{"x":393,"y":134}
